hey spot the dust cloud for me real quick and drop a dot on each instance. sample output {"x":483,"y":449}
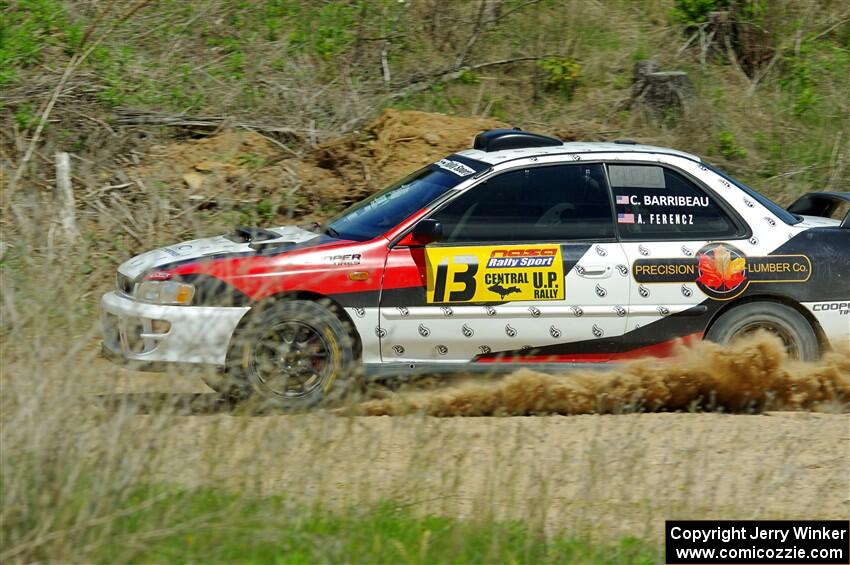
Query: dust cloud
{"x":751,"y":375}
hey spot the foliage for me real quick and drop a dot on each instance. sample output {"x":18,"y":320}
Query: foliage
{"x":562,"y":74}
{"x":693,"y":12}
{"x":728,"y":146}
{"x":27,"y":27}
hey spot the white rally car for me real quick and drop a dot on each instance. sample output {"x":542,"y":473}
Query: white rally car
{"x":522,"y":251}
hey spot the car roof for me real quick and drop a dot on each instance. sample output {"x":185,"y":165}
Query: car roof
{"x":571,"y":147}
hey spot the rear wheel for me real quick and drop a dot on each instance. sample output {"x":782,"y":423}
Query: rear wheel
{"x":294,"y":354}
{"x":787,"y":324}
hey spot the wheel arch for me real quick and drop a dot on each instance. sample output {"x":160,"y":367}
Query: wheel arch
{"x":333,"y":305}
{"x":823,"y":342}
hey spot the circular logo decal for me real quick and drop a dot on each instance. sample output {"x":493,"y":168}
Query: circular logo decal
{"x":722,"y":271}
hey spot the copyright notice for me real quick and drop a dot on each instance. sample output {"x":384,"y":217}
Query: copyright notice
{"x":822,"y":542}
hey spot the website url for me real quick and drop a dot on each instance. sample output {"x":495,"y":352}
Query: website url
{"x":757,"y":553}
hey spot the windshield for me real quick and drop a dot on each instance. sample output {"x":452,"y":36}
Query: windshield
{"x":386,"y":209}
{"x":774,"y":208}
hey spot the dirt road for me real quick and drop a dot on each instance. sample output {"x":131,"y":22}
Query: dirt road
{"x":602,"y":476}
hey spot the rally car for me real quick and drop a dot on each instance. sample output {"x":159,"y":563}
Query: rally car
{"x":524,"y":250}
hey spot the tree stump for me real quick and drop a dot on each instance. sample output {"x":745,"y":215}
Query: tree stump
{"x":660,"y":92}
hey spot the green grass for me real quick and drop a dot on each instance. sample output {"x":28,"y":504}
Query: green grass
{"x":212,"y":526}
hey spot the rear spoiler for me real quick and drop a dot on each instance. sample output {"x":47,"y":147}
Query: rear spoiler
{"x":822,"y":204}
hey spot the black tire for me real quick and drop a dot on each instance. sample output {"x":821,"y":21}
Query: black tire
{"x":788,"y":324}
{"x":292,"y":354}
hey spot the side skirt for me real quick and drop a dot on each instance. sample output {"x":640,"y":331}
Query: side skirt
{"x":401,"y":370}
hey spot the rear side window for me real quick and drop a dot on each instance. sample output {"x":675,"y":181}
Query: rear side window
{"x":550,"y":203}
{"x":658,"y":203}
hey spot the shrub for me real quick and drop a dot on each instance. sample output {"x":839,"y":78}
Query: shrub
{"x":562,"y":74}
{"x":729,"y":148}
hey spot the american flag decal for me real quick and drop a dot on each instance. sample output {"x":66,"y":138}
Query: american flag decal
{"x":622,"y":199}
{"x":625,"y":218}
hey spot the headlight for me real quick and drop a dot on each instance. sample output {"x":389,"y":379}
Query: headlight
{"x":165,"y":292}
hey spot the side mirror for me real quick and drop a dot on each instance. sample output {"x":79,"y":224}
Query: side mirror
{"x":427,"y":231}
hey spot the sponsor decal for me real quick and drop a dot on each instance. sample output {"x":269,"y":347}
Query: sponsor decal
{"x":350,"y":259}
{"x":494,"y":274}
{"x":521,"y":258}
{"x":843,"y":308}
{"x":722,"y":271}
{"x":456,"y":167}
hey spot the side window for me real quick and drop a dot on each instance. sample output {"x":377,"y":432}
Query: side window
{"x":656,"y":202}
{"x":551,"y":203}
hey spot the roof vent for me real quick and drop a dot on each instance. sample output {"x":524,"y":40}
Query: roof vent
{"x":499,"y":139}
{"x":626,"y":141}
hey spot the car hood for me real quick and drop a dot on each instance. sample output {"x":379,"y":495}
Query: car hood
{"x":209,"y":246}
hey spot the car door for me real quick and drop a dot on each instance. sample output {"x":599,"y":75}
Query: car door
{"x":669,"y":224}
{"x":528,"y":269}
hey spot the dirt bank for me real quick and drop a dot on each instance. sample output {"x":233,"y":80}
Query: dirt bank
{"x":245,"y":168}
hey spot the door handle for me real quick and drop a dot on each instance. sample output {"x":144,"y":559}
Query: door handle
{"x":594,"y":271}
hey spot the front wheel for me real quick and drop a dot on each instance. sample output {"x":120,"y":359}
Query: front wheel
{"x":294,"y":354}
{"x":787,"y":324}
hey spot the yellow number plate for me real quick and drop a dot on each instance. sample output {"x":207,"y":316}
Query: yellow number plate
{"x":494,"y":273}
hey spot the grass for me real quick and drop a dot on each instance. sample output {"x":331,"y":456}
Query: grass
{"x":170,"y":525}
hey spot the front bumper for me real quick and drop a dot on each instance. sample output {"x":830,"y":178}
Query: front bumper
{"x":198,"y":335}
